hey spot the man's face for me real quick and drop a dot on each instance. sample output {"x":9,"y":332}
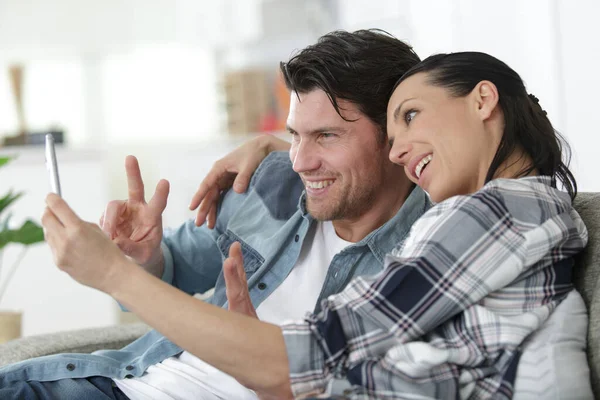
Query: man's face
{"x":341,"y":163}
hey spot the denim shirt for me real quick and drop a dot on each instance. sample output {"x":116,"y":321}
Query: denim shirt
{"x":270,"y":221}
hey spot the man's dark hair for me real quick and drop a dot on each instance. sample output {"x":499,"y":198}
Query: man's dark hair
{"x":526,"y":125}
{"x":361,"y":67}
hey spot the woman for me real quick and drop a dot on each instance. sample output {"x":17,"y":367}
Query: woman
{"x":479,"y":273}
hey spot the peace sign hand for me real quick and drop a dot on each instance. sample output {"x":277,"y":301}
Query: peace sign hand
{"x":134,"y":225}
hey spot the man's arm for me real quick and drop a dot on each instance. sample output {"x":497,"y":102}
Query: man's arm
{"x":234,"y":170}
{"x":192,"y":257}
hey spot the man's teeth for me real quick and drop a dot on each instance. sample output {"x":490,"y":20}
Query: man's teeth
{"x":318,"y":184}
{"x":422,"y":165}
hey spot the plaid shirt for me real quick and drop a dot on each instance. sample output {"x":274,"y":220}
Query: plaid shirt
{"x":447,"y":316}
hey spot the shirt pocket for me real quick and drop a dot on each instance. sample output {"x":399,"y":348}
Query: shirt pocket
{"x":252,"y":259}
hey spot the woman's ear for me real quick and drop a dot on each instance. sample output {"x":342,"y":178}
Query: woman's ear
{"x":486,"y":99}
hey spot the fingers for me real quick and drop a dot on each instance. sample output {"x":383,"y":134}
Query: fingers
{"x":212,"y":217}
{"x":110,"y":219}
{"x":50,"y":223}
{"x":210,"y":199}
{"x":135,"y":184}
{"x":236,"y":287}
{"x":235,"y":253}
{"x":61,"y":210}
{"x":127,"y":246}
{"x":158,"y":202}
{"x":233,"y":284}
{"x":242,"y":180}
{"x":209,"y":183}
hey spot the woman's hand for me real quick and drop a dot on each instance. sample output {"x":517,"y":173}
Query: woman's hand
{"x":236,"y":285}
{"x":81,"y":249}
{"x":235,"y":169}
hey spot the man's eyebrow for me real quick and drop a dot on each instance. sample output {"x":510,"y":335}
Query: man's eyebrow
{"x":322,"y":129}
{"x":397,"y":110}
{"x":290,"y":129}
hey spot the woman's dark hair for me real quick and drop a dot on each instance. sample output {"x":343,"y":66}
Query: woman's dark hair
{"x":526,"y":123}
{"x":361,"y":67}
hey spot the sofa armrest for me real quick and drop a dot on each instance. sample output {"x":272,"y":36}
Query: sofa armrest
{"x":78,"y":341}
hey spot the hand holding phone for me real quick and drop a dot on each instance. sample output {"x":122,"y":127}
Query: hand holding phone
{"x":52,"y":165}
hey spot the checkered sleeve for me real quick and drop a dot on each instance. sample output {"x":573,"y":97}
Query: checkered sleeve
{"x":457,"y":254}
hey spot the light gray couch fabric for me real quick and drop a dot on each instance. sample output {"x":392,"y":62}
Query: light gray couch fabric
{"x":79,"y":341}
{"x":586,"y":274}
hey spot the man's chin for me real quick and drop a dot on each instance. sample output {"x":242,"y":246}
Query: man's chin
{"x":321,"y":213}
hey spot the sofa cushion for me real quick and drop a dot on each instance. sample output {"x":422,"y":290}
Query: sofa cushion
{"x":560,"y":342}
{"x":586,"y":274}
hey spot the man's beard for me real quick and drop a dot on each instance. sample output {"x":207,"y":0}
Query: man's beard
{"x":351,"y":204}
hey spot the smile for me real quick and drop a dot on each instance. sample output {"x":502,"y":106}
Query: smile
{"x":318,"y":184}
{"x":421,"y":165}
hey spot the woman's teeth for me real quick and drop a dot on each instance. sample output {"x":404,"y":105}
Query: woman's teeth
{"x":318,"y":184}
{"x":422,"y":165}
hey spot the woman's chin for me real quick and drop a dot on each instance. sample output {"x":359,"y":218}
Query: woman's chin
{"x":437,"y":196}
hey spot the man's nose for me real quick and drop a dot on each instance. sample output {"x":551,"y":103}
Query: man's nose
{"x":304,"y":157}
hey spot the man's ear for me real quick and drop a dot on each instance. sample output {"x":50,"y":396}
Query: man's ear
{"x":485,"y":95}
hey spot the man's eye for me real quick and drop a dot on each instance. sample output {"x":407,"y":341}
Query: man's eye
{"x":327,"y":135}
{"x":409,"y":115}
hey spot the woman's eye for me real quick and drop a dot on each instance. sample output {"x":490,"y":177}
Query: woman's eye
{"x":409,"y":115}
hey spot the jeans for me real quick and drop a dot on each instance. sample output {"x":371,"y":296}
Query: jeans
{"x":92,"y":388}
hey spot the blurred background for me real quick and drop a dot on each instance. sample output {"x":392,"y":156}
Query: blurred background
{"x":179,"y":83}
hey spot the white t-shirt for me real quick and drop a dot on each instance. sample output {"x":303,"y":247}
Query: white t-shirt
{"x":188,"y":377}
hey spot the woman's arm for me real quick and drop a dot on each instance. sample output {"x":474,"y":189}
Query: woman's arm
{"x":251,"y":351}
{"x":235,"y":169}
{"x":458,"y":254}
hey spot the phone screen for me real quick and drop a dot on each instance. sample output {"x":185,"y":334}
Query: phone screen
{"x":52,"y":165}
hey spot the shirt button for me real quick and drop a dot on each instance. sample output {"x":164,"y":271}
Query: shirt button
{"x":129,"y":367}
{"x":262,"y":286}
{"x":296,"y":238}
{"x":70,"y":367}
{"x":128,"y":376}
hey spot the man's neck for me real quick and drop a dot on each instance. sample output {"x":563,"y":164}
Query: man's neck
{"x":382,"y":210}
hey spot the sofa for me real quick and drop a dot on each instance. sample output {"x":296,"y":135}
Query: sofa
{"x":586,"y":275}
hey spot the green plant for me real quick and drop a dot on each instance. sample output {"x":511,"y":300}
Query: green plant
{"x":29,"y":233}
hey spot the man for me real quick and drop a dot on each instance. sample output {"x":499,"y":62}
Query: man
{"x":340,"y":202}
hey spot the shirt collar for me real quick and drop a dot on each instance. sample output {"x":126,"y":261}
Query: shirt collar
{"x":302,"y":206}
{"x":391,"y":234}
{"x":383,"y":239}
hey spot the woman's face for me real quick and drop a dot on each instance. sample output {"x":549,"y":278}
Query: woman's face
{"x":445,"y":143}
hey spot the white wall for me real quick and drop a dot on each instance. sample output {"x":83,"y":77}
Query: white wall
{"x":578,"y":57}
{"x":552,"y":44}
{"x":49,"y":299}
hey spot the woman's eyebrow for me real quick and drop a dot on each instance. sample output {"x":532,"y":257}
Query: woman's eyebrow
{"x":397,"y":110}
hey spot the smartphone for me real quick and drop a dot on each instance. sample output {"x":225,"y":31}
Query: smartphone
{"x":52,"y":165}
